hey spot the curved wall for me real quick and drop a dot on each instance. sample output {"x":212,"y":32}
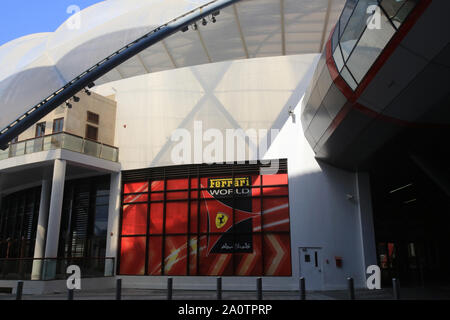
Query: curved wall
{"x":241,"y":94}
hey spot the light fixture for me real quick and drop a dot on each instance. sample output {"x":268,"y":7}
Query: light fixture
{"x":401,"y":188}
{"x":213,"y":19}
{"x":87,"y":92}
{"x":186,"y":28}
{"x":91,"y":85}
{"x":204,"y":22}
{"x":68,"y":105}
{"x":409,"y":201}
{"x":76,"y":99}
{"x":216,"y":13}
{"x":194,"y":26}
{"x":292,"y":114}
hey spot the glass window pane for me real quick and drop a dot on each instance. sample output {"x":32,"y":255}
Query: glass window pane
{"x":335,"y":38}
{"x":177,"y":195}
{"x":157,"y":185}
{"x":176,"y":217}
{"x":140,"y":197}
{"x":194,"y":217}
{"x":349,"y":79}
{"x":369,"y":48}
{"x":132,"y":256}
{"x":355,"y":26}
{"x":276,"y":214}
{"x":404,"y":12}
{"x":346,"y":13}
{"x":156,"y":218}
{"x":214,"y":264}
{"x":175,"y":249}
{"x":157,"y":196}
{"x":103,"y":200}
{"x":277,"y":255}
{"x":275,"y":179}
{"x":392,"y":6}
{"x":338,"y":59}
{"x":250,"y":264}
{"x":177,"y":184}
{"x":154,"y":255}
{"x":101,"y":220}
{"x":193,"y":255}
{"x":134,"y":219}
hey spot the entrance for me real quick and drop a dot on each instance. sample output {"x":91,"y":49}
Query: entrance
{"x":411,"y":205}
{"x":311,"y":267}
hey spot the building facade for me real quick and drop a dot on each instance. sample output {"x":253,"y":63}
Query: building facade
{"x":246,"y":145}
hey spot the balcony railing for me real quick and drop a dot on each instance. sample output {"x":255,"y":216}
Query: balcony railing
{"x":62,"y":140}
{"x":55,"y":268}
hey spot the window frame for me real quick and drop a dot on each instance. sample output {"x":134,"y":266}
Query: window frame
{"x":58,"y":121}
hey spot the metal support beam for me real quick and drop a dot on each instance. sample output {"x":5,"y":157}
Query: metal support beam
{"x":325,"y":25}
{"x":166,"y":48}
{"x":238,"y":23}
{"x":283,"y":29}
{"x":202,"y":41}
{"x":147,"y":69}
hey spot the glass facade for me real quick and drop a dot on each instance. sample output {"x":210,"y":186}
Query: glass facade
{"x":84,"y":218}
{"x":363,"y":31}
{"x":18,"y":223}
{"x":206,"y":225}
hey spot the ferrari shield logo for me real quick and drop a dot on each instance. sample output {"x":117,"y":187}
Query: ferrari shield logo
{"x":221,"y":220}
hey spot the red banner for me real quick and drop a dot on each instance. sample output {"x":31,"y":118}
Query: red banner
{"x":228,"y":226}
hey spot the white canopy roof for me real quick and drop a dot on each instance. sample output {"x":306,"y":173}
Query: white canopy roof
{"x":34,"y":66}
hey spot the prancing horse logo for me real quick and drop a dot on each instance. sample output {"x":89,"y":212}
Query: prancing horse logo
{"x":221,"y":220}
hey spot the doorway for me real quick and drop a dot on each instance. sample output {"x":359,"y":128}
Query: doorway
{"x":311,"y":267}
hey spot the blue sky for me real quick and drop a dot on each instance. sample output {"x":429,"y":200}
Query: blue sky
{"x":21,"y":17}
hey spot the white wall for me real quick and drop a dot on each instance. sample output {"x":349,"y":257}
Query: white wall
{"x":251,"y":93}
{"x":321,"y":214}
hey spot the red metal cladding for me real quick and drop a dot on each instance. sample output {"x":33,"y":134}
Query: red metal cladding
{"x":351,"y":95}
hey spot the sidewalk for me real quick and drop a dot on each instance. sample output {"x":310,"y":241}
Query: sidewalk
{"x":438,"y":293}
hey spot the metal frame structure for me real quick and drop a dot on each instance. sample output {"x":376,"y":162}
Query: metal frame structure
{"x":190,"y":172}
{"x":88,"y":77}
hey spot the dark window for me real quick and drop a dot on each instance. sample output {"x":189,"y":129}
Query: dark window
{"x":93,"y":117}
{"x":18,"y":223}
{"x":58,"y":125}
{"x":91,"y":132}
{"x":40,"y":129}
{"x":362,"y":43}
{"x":84,"y":218}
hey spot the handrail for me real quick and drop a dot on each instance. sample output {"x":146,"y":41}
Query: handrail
{"x":59,"y":141}
{"x":64,"y":132}
{"x":87,"y":78}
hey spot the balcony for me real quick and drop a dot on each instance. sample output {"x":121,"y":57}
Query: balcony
{"x":62,"y":140}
